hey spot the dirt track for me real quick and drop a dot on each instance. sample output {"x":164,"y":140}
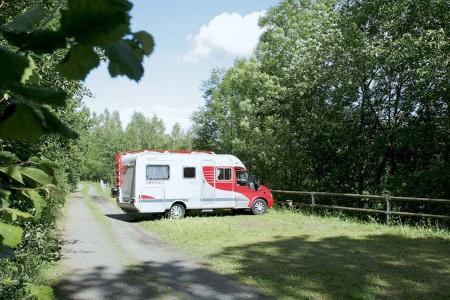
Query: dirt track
{"x":106,"y":256}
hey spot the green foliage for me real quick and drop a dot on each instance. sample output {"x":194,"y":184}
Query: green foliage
{"x":24,"y":186}
{"x":123,"y":61}
{"x":344,"y":96}
{"x":39,"y":245}
{"x":11,"y":235}
{"x":96,"y":23}
{"x":85,"y":24}
{"x":41,"y":95}
{"x":13,"y":215}
{"x":106,"y":137}
{"x":146,"y":41}
{"x":40,"y":292}
{"x":13,"y":65}
{"x":78,"y":62}
{"x":44,"y":48}
{"x":26,"y":111}
{"x":27,"y":21}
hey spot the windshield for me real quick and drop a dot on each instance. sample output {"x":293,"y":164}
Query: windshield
{"x":244,"y":178}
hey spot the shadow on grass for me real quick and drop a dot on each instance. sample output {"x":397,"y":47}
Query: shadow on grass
{"x":151,"y":280}
{"x":376,"y":267}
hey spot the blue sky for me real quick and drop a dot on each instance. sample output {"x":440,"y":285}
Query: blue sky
{"x":192,"y":37}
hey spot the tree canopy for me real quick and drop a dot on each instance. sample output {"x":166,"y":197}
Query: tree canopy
{"x":344,"y":96}
{"x":106,"y":136}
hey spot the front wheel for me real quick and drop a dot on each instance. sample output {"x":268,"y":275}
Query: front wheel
{"x":176,"y":211}
{"x":259,"y":207}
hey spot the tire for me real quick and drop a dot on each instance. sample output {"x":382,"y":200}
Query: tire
{"x":259,"y":207}
{"x":176,"y":211}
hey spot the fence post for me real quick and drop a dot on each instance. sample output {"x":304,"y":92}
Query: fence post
{"x":388,"y":211}
{"x":290,"y":204}
{"x":313,"y":200}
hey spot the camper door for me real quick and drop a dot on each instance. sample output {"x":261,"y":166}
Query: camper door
{"x":152,"y":193}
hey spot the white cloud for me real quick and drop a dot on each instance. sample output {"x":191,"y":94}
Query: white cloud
{"x":228,"y":33}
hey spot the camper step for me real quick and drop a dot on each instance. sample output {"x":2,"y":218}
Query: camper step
{"x":207,"y":210}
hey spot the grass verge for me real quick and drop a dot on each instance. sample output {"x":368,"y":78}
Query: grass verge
{"x":87,"y":188}
{"x":294,"y":256}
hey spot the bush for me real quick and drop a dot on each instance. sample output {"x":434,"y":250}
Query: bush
{"x":41,"y":243}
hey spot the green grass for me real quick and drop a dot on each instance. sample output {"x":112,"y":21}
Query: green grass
{"x":51,"y":273}
{"x":294,"y":256}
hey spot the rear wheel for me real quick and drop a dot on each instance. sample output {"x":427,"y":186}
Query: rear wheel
{"x":259,"y":207}
{"x":176,"y":211}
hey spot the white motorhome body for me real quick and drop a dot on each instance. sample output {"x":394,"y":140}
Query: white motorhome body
{"x":152,"y":181}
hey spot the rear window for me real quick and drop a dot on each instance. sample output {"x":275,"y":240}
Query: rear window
{"x":223,"y":174}
{"x":157,"y":172}
{"x":128,"y":183}
{"x":189,"y":172}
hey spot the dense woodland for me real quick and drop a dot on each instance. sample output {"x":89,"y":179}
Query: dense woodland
{"x":341,"y":96}
{"x":346,"y":96}
{"x":106,"y":136}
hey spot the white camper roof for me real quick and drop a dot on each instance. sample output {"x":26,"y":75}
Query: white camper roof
{"x":194,"y":157}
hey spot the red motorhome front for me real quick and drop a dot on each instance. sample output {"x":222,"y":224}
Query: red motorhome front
{"x":245,"y":186}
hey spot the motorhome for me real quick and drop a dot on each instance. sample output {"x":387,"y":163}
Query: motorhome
{"x":173,"y":182}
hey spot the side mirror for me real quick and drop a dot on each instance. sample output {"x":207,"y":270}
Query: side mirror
{"x":114,"y":192}
{"x":252,"y":185}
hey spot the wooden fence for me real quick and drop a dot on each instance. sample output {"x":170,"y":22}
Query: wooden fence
{"x":387,"y":199}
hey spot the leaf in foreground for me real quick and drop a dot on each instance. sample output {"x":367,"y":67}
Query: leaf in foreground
{"x":21,"y":121}
{"x":12,"y":215}
{"x":26,"y":21}
{"x":123,"y":61}
{"x":10,"y":235}
{"x":96,"y":23}
{"x":38,"y":176}
{"x":13,"y":67}
{"x":146,"y":41}
{"x":78,"y":62}
{"x":36,"y":199}
{"x":41,"y":41}
{"x":12,"y":171}
{"x":41,"y":95}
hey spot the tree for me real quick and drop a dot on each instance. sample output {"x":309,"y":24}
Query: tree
{"x":31,"y":106}
{"x":105,"y":137}
{"x":345,"y":96}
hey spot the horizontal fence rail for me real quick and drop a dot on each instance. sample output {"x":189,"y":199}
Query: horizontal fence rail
{"x":388,"y":199}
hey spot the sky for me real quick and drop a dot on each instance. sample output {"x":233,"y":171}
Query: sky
{"x":192,"y":38}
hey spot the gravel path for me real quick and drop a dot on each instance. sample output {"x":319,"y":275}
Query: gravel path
{"x":106,"y":256}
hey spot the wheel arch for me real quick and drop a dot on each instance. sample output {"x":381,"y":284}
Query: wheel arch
{"x":179,"y":202}
{"x":262,"y":198}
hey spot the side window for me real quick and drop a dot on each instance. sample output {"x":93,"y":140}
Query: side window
{"x":189,"y":172}
{"x":223,"y":174}
{"x":241,"y":178}
{"x":157,"y":172}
